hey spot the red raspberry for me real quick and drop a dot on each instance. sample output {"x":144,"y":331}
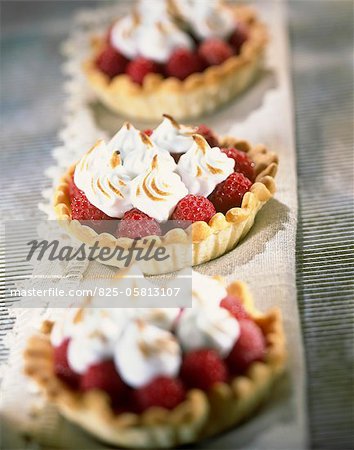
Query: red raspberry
{"x":111,"y":62}
{"x":238,"y":38}
{"x":229,"y":193}
{"x":104,"y":376}
{"x":183,"y":63}
{"x":203,"y":368}
{"x":82,"y":209}
{"x":249,"y":347}
{"x":208,"y":135}
{"x":164,"y":392}
{"x":215,"y":51}
{"x":148,"y":132}
{"x":139,"y":68}
{"x":136,"y":224}
{"x":193,"y":208}
{"x":61,"y":365}
{"x":243,"y":163}
{"x":235,"y":307}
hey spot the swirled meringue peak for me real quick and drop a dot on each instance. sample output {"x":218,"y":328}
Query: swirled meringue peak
{"x":212,"y":327}
{"x":139,"y":160}
{"x":172,"y":136}
{"x":203,"y":167}
{"x":146,"y":351}
{"x":127,"y":139}
{"x":124,"y":35}
{"x":102,"y":177}
{"x":93,"y":335}
{"x":151,"y":36}
{"x":164,"y":318}
{"x":64,"y":329}
{"x":151,"y":14}
{"x":84,"y":351}
{"x":207,"y":18}
{"x":156,"y":192}
{"x":158,"y":41}
{"x":206,"y":291}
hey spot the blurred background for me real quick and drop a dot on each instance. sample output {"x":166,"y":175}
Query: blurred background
{"x":321,"y":40}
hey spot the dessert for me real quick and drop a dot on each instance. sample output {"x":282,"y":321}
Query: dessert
{"x":212,"y":194}
{"x":182,"y":57}
{"x":154,"y":378}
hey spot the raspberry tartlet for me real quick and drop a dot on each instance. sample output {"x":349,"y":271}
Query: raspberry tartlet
{"x":157,"y":378}
{"x":180,"y":57}
{"x":210,"y":195}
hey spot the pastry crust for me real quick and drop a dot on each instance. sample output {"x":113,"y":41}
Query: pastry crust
{"x":198,"y":94}
{"x":200,"y":415}
{"x":202,"y":241}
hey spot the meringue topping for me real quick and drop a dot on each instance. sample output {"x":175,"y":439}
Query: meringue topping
{"x":156,"y":192}
{"x":140,"y":159}
{"x":85,"y":351}
{"x":148,"y":34}
{"x":155,"y":13}
{"x":101,"y":176}
{"x":208,"y":19}
{"x":210,"y":327}
{"x":124,"y":36}
{"x":128,"y":139}
{"x":146,"y":351}
{"x":172,"y":136}
{"x":93,"y":338}
{"x":203,"y":167}
{"x":206,"y":291}
{"x":164,"y":318}
{"x":64,"y":329}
